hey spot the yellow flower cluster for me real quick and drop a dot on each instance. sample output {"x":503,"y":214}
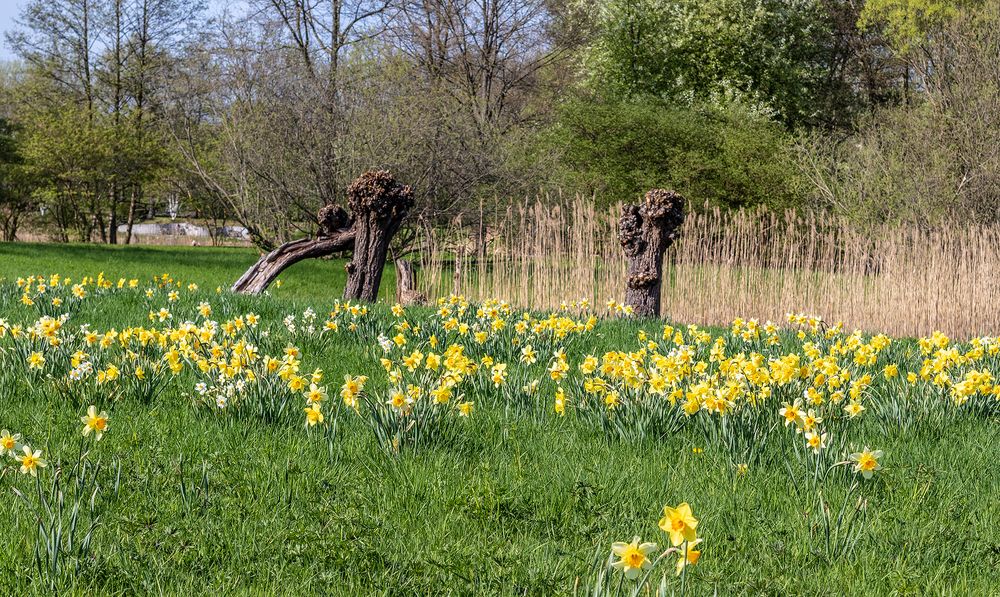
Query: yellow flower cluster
{"x":680,"y":525}
{"x":29,"y":461}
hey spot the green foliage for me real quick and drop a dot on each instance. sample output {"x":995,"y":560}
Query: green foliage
{"x":909,"y":22}
{"x":777,"y":54}
{"x":728,"y":157}
{"x":929,"y":160}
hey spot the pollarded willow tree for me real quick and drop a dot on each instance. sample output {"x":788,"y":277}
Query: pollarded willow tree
{"x":378,"y":205}
{"x":646,"y":231}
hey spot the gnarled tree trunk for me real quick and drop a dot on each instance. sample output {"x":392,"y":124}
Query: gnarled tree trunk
{"x":378,"y":204}
{"x":645,"y":232}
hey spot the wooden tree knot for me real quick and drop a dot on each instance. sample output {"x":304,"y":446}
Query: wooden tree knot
{"x":663,"y":204}
{"x":376,"y":192}
{"x":349,"y":267}
{"x":332,"y":219}
{"x":630,"y":229}
{"x":645,"y":232}
{"x":643,"y":280}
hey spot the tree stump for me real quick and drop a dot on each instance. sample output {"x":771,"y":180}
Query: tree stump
{"x":378,"y":204}
{"x":645,"y":232}
{"x":406,"y":284}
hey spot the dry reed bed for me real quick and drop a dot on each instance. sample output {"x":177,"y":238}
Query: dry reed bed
{"x":900,"y":280}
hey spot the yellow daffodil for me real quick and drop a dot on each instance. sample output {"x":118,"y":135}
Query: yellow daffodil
{"x":498,"y":374}
{"x":633,"y":557}
{"x":679,"y":523}
{"x":36,"y":360}
{"x":30,"y":461}
{"x":853,"y":409}
{"x":688,"y":557}
{"x":94,"y":422}
{"x":8,"y":442}
{"x":866,"y":462}
{"x":314,"y":414}
{"x":316,"y":394}
{"x":792,"y":413}
{"x":816,"y":441}
{"x":528,"y":355}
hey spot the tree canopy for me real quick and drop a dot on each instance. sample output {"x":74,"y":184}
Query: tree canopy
{"x":117,"y":111}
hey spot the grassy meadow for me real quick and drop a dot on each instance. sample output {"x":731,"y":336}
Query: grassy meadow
{"x":460,"y":477}
{"x":210,"y":267}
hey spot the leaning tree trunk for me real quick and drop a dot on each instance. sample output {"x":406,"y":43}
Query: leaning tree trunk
{"x":379,"y":205}
{"x":645,"y":232}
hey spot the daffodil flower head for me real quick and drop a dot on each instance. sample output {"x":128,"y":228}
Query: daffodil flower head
{"x":633,"y":557}
{"x":688,"y":556}
{"x":816,"y":441}
{"x":314,"y":414}
{"x":866,"y":462}
{"x":8,"y":442}
{"x":679,"y":523}
{"x":94,"y":422}
{"x":30,"y":461}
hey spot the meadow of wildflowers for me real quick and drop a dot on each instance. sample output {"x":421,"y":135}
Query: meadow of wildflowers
{"x":158,"y":434}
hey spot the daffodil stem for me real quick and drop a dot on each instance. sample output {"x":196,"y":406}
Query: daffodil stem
{"x":684,"y":570}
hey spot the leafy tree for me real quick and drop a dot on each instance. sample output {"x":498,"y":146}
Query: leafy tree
{"x":936,"y":158}
{"x":909,"y":22}
{"x":728,"y":157}
{"x":785,"y":56}
{"x":15,"y":183}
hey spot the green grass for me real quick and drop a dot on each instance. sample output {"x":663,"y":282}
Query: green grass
{"x":511,"y":502}
{"x":209,"y":267}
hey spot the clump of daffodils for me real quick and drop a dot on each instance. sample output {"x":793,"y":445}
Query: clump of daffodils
{"x":635,"y":558}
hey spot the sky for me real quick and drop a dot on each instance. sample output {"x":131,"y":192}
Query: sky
{"x":9,"y":10}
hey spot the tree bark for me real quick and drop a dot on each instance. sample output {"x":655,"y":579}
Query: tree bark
{"x":378,"y":203}
{"x":645,"y":232}
{"x":131,"y":217}
{"x":113,"y":224}
{"x":268,"y":267}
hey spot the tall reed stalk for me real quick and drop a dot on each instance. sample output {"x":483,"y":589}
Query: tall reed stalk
{"x":901,"y":280}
